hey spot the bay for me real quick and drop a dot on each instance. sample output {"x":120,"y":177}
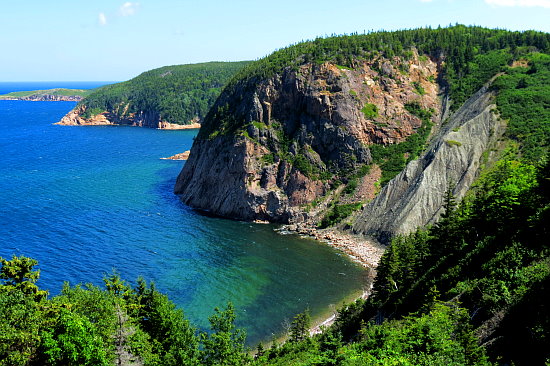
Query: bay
{"x":83,"y":201}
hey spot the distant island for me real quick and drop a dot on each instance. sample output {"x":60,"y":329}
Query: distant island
{"x":49,"y":95}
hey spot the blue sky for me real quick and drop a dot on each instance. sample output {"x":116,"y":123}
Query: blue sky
{"x":115,"y":40}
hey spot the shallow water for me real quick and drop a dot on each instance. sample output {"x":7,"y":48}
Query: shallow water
{"x":83,"y":201}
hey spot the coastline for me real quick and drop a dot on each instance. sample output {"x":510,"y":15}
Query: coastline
{"x":359,"y":249}
{"x":365,"y":252}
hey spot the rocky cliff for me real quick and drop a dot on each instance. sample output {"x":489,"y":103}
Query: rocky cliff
{"x":79,"y":117}
{"x":170,"y":97}
{"x":275,"y":149}
{"x":414,"y":198}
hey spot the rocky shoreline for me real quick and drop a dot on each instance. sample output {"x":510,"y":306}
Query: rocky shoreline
{"x":360,"y":249}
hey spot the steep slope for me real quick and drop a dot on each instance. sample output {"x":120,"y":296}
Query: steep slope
{"x":161,"y":98}
{"x":302,"y":130}
{"x":311,"y":133}
{"x":415,"y":197}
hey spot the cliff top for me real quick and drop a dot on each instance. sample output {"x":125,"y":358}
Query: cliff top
{"x":469,"y":57}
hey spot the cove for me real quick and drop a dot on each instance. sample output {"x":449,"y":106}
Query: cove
{"x":83,"y":201}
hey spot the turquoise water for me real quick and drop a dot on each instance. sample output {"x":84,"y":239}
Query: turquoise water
{"x":83,"y":201}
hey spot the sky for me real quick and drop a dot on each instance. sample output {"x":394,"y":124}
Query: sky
{"x":115,"y":40}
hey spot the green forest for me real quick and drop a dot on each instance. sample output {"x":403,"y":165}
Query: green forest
{"x":469,"y":290}
{"x":177,"y":94}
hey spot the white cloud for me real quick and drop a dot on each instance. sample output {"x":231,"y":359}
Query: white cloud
{"x":128,"y":8}
{"x":523,"y":3}
{"x":102,"y":18}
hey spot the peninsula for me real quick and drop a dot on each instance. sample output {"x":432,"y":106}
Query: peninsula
{"x":49,"y":95}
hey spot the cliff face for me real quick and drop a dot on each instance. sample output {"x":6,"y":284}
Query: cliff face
{"x":78,"y":117}
{"x":289,"y":139}
{"x":414,"y":198}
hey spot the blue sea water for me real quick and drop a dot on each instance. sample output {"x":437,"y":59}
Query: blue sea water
{"x":85,"y":200}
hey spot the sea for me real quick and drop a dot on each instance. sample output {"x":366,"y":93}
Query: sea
{"x":87,"y":201}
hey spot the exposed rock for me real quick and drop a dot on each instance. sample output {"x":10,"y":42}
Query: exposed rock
{"x":414,"y":198}
{"x":181,"y":156}
{"x":77,"y":117}
{"x":311,"y":116}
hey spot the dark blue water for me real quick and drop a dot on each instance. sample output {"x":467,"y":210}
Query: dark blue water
{"x":85,"y":200}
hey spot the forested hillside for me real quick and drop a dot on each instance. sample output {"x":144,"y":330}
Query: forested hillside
{"x":471,"y":289}
{"x":176,"y":94}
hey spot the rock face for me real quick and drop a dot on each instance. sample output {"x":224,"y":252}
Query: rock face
{"x":77,"y":117}
{"x":415,"y":197}
{"x":272,"y":148}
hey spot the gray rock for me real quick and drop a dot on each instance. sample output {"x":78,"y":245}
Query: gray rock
{"x":414,"y":198}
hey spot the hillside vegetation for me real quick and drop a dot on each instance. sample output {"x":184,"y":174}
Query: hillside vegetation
{"x":177,"y":94}
{"x":469,"y":290}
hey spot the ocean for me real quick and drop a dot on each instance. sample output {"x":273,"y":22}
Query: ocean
{"x":86,"y":200}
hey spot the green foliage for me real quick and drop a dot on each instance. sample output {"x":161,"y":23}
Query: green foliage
{"x":93,"y":111}
{"x":225,"y":344}
{"x":337,"y":213}
{"x":169,"y":334}
{"x":484,"y":252}
{"x":370,"y":111}
{"x":351,"y":186}
{"x":466,"y":80}
{"x":524,"y":100}
{"x":259,"y":125}
{"x":18,"y":275}
{"x":303,"y":164}
{"x":176,"y":94}
{"x":268,"y":158}
{"x":80,"y":326}
{"x":299,"y":328}
{"x":440,"y":337}
{"x":73,"y":340}
{"x":415,"y":109}
{"x":20,"y":323}
{"x":453,"y":143}
{"x":418,"y":88}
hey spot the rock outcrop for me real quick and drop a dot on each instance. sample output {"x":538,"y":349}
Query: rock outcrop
{"x":415,"y":197}
{"x":272,"y":148}
{"x":79,"y":117}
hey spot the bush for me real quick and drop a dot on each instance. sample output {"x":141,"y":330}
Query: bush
{"x":370,"y":111}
